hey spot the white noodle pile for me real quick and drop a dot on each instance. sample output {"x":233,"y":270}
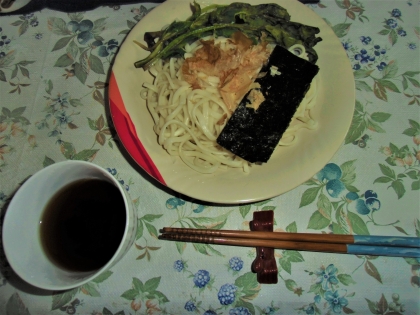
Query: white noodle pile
{"x":189,"y":121}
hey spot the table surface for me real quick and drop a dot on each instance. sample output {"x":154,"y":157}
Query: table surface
{"x":50,"y":113}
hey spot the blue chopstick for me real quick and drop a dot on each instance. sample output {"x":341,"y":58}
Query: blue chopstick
{"x":400,"y":241}
{"x":383,"y":251}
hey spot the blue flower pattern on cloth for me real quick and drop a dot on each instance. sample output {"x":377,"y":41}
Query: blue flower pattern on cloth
{"x":178,"y":265}
{"x":107,"y":48}
{"x":396,"y":13}
{"x":391,"y":23}
{"x":239,"y":311}
{"x":327,"y":277}
{"x":236,"y":263}
{"x":226,"y":294}
{"x":199,"y":209}
{"x":365,"y":40}
{"x":269,"y":310}
{"x":331,"y":174}
{"x":190,"y":306}
{"x":393,"y":26}
{"x":124,"y":184}
{"x":310,"y":310}
{"x":174,"y":203}
{"x":412,"y":46}
{"x":336,"y":300}
{"x":201,"y":278}
{"x":365,"y":204}
{"x":367,"y":56}
{"x":364,"y":57}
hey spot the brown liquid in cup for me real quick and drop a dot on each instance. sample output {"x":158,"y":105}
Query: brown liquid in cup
{"x":83,"y":225}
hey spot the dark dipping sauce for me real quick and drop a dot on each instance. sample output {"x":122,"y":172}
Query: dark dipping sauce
{"x":83,"y":225}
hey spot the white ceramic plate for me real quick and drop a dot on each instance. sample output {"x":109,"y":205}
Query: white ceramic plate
{"x":288,"y":167}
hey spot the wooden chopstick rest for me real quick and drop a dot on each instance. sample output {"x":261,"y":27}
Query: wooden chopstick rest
{"x":264,"y":264}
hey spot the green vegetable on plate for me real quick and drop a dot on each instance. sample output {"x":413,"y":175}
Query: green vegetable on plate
{"x":256,"y":21}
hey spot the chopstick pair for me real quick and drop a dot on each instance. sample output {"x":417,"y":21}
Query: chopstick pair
{"x":397,"y":246}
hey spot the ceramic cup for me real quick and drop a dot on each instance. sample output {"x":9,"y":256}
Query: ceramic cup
{"x":22,"y":222}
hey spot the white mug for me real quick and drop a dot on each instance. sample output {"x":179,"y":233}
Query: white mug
{"x":22,"y":223}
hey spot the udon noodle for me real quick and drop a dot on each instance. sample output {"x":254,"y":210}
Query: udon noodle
{"x":188,"y":121}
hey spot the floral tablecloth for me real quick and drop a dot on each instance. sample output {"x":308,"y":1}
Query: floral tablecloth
{"x":53,"y":99}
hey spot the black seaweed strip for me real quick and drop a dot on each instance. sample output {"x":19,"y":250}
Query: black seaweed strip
{"x":254,"y":134}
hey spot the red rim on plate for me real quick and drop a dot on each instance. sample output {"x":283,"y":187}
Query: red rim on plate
{"x":127,"y":132}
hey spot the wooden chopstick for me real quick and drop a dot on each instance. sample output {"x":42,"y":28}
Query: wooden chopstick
{"x":300,"y":242}
{"x":399,"y":241}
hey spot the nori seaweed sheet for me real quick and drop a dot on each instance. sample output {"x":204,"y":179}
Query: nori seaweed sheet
{"x":254,"y":134}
